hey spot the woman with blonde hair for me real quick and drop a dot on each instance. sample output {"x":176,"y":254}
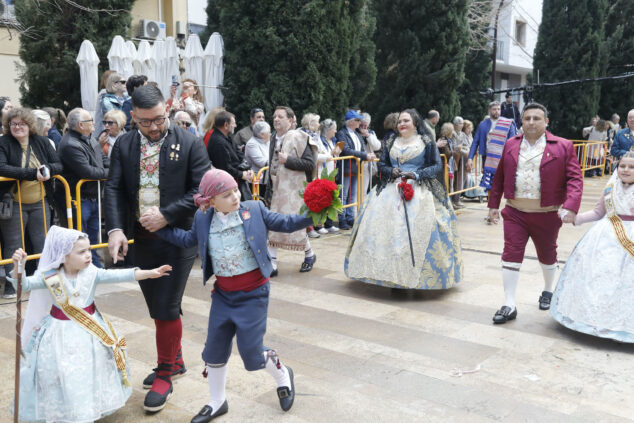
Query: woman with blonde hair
{"x":191,"y":100}
{"x":113,"y":98}
{"x":113,"y":123}
{"x":208,"y":124}
{"x":447,"y":146}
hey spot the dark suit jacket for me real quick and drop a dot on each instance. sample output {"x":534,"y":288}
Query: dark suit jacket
{"x":559,"y":171}
{"x":350,"y":166}
{"x":82,"y":159}
{"x":257,"y":220}
{"x":178,"y":179}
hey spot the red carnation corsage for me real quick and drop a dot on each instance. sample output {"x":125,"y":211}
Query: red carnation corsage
{"x":321,"y":198}
{"x":406,"y":190}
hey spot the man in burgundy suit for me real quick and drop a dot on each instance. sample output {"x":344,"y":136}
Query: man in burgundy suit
{"x":542,"y":183}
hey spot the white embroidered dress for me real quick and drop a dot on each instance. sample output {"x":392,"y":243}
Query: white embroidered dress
{"x":67,"y":374}
{"x":595,"y":292}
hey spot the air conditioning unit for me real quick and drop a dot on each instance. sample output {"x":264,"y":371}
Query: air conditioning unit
{"x":151,"y":29}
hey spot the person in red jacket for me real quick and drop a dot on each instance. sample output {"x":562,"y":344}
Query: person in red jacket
{"x":540,"y":178}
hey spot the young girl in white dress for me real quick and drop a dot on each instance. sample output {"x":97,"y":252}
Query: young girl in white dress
{"x":595,"y":292}
{"x":74,"y":366}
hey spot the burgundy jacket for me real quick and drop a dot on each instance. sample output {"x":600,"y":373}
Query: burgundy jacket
{"x":561,"y":179}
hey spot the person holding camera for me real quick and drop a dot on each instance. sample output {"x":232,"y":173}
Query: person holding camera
{"x":30,"y":159}
{"x":224,"y":154}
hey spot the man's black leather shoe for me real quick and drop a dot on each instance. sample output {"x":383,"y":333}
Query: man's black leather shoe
{"x":544,"y":300}
{"x":206,"y":414}
{"x":286,"y":395}
{"x":504,"y":314}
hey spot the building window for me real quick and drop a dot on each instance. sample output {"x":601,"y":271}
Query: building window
{"x":520,"y":33}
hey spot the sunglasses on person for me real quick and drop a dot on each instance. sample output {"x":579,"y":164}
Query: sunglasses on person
{"x":108,"y":122}
{"x":187,"y":124}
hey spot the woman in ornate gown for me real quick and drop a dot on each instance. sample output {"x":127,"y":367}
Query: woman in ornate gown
{"x":379,"y":249}
{"x":595,"y":292}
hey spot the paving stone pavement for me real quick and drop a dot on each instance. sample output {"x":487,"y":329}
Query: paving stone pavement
{"x":363,"y":353}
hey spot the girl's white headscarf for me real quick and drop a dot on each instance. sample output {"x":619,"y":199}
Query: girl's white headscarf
{"x":57,"y":245}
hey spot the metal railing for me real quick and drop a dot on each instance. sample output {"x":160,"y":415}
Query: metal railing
{"x":18,"y":204}
{"x":592,"y":155}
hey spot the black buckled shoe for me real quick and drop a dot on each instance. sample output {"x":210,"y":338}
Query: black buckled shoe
{"x":206,"y":414}
{"x":286,"y":395}
{"x":178,"y":370}
{"x":504,"y":314}
{"x":273,"y":273}
{"x":544,"y":300}
{"x":307,"y":265}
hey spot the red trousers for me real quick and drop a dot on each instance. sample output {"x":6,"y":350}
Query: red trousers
{"x":542,"y":228}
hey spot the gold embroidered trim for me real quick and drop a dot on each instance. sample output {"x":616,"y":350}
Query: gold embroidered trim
{"x":86,"y":321}
{"x":617,"y":223}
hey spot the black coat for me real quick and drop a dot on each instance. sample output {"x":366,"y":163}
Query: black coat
{"x":350,"y":166}
{"x":224,"y":155}
{"x":178,"y":179}
{"x":11,"y":162}
{"x":82,"y":159}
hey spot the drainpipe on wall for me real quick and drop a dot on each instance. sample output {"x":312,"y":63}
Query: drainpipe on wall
{"x":160,"y":10}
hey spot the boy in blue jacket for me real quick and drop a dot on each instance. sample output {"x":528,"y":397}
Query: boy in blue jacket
{"x":232,"y":238}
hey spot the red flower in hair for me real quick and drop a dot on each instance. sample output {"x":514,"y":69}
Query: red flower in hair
{"x":406,"y":189}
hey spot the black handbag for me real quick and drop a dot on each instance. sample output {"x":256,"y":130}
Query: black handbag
{"x":6,"y":206}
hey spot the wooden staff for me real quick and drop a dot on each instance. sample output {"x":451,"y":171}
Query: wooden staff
{"x":18,"y":341}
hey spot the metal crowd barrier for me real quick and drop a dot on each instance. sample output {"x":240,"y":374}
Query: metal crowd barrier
{"x":255,"y":185}
{"x":18,"y":204}
{"x":77,"y":204}
{"x":591,"y":154}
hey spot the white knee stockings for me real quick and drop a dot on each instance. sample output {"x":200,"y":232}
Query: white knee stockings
{"x":217,"y":378}
{"x":549,"y":271}
{"x":510,"y":276}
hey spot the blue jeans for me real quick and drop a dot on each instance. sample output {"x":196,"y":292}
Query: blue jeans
{"x":349,"y":196}
{"x":90,"y":224}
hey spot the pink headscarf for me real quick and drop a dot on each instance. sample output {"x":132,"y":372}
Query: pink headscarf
{"x":214,"y":182}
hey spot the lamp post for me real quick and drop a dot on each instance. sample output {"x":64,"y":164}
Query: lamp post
{"x":495,"y":45}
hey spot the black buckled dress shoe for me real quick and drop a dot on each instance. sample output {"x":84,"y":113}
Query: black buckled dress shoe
{"x":307,"y":265}
{"x":286,"y":395}
{"x":207,"y":414}
{"x":273,"y":273}
{"x":504,"y":314}
{"x":544,"y":300}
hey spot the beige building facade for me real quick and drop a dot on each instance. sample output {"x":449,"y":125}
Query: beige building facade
{"x":173,"y":13}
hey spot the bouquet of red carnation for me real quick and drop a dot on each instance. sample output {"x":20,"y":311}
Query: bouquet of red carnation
{"x":321,"y":198}
{"x":406,"y":189}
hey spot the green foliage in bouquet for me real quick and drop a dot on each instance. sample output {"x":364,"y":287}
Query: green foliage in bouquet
{"x":321,"y":198}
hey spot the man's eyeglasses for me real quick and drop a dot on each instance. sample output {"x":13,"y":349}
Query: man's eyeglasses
{"x":146,"y":123}
{"x":108,"y":122}
{"x":18,"y":125}
{"x":86,"y":121}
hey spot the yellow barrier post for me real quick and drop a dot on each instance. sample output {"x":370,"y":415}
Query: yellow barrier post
{"x":255,"y":184}
{"x":77,"y":201}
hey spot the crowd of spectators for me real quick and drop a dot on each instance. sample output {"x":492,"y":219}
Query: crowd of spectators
{"x":38,"y":144}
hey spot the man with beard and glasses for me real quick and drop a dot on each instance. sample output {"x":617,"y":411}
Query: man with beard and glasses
{"x":154,"y":173}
